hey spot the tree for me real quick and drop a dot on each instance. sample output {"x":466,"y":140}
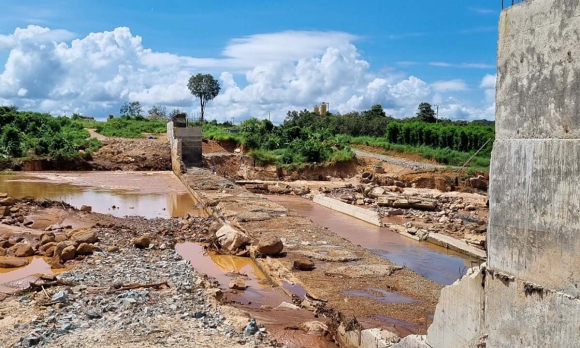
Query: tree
{"x":158,"y":112}
{"x":205,"y":88}
{"x":426,"y":113}
{"x":131,"y":108}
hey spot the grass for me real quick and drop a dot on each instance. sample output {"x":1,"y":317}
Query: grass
{"x":444,"y":156}
{"x":128,"y":127}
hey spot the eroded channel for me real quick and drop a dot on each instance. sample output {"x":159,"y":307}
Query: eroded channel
{"x":436,"y":263}
{"x":158,"y":195}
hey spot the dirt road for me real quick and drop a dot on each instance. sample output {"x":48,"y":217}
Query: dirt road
{"x":397,"y":161}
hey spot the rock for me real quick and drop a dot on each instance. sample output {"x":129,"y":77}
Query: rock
{"x":270,"y":245}
{"x":142,"y":242}
{"x":113,"y":249}
{"x":412,"y":231}
{"x":314,"y":327}
{"x":63,"y":245}
{"x":377,"y":192}
{"x":12,"y":262}
{"x":286,"y":305}
{"x":60,"y":238}
{"x":237,"y":284}
{"x":30,"y":341}
{"x":231,"y":239}
{"x":304,"y":264}
{"x":4,"y":211}
{"x":55,"y":262}
{"x":46,"y":246}
{"x":68,"y":253}
{"x":251,"y":328}
{"x":2,"y":251}
{"x":60,"y":297}
{"x":84,"y":235}
{"x":479,"y":183}
{"x":8,"y":201}
{"x":401,"y":203}
{"x":470,"y":207}
{"x":14,"y":210}
{"x":86,"y":249}
{"x":49,"y":252}
{"x":3,"y":195}
{"x":87,"y":208}
{"x":93,"y":314}
{"x":22,"y":250}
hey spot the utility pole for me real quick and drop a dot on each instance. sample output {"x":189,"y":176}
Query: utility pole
{"x":437,"y":113}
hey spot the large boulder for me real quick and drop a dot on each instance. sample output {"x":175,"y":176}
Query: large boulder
{"x":23,"y":250}
{"x":270,"y":245}
{"x":143,"y":241}
{"x":231,"y":239}
{"x":47,"y":237}
{"x":86,"y":249}
{"x":63,"y":245}
{"x":13,"y":262}
{"x":237,"y":284}
{"x":68,"y":253}
{"x":84,"y":235}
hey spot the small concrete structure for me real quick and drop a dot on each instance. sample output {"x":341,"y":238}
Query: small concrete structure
{"x":186,"y":146}
{"x":372,"y":217}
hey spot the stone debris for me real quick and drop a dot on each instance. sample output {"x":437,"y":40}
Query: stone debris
{"x":270,"y":245}
{"x":142,"y":242}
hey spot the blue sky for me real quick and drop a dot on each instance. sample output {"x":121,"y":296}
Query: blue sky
{"x":269,"y":55}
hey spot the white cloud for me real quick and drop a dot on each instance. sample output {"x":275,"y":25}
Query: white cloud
{"x":463,"y":65}
{"x":260,"y":73}
{"x":449,"y":86}
{"x":488,"y":82}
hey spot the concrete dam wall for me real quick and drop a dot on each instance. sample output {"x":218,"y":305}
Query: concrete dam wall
{"x":527,"y":294}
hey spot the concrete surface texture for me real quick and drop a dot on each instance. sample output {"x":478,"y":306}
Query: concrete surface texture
{"x":366,"y":215}
{"x":531,"y":284}
{"x":534,"y":215}
{"x":459,"y":314}
{"x":190,"y":151}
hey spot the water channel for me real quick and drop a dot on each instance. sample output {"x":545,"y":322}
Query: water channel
{"x":161,"y":194}
{"x":436,"y":263}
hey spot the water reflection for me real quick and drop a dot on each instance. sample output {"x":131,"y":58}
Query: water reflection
{"x":108,"y":193}
{"x":438,"y":264}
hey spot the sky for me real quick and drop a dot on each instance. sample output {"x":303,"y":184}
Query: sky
{"x":90,"y":57}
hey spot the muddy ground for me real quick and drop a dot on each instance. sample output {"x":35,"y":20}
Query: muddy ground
{"x":341,"y":267}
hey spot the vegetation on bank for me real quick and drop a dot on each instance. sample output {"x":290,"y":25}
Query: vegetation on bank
{"x":29,"y":134}
{"x":283,"y":145}
{"x":130,"y":126}
{"x":310,"y":137}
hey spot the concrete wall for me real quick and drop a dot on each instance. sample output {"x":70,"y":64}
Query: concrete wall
{"x":366,"y":215}
{"x":532,"y":282}
{"x":191,"y":143}
{"x":459,"y":316}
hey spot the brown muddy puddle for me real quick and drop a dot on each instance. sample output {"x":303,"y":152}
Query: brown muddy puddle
{"x":14,"y":279}
{"x":436,"y":263}
{"x":260,"y":299}
{"x":147,"y":194}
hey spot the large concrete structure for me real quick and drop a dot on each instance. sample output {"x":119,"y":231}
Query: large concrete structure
{"x":527,"y":295}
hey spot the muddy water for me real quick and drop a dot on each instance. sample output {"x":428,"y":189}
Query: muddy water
{"x":438,"y":264}
{"x":157,"y":194}
{"x":260,"y":299}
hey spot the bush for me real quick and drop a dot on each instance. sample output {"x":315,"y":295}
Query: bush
{"x":22,"y":132}
{"x":131,"y":126}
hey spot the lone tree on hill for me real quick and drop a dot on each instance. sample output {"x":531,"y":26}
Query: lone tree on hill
{"x":426,"y":113}
{"x":205,"y":88}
